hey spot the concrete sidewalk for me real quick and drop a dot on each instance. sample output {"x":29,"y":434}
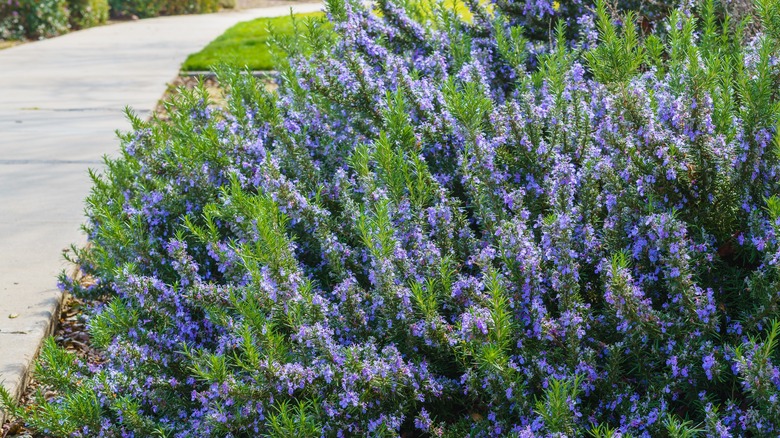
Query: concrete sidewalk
{"x":61,"y":101}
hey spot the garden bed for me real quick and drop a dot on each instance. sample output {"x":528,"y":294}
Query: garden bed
{"x":71,"y":332}
{"x":510,"y":226}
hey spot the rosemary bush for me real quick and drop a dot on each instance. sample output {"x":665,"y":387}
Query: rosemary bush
{"x":445,"y":228}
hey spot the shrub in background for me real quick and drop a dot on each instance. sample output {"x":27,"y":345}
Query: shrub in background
{"x":87,"y":13}
{"x":172,"y":7}
{"x":539,"y":17}
{"x":11,"y":23}
{"x":33,"y":18}
{"x":434,"y":229}
{"x":153,"y":8}
{"x":207,"y":6}
{"x":139,"y":8}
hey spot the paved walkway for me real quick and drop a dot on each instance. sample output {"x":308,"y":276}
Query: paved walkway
{"x":61,"y":101}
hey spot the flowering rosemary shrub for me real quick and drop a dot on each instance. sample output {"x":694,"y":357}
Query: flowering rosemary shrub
{"x":442,"y":228}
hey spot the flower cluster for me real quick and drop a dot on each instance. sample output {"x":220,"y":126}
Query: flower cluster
{"x":21,"y":19}
{"x":445,"y":227}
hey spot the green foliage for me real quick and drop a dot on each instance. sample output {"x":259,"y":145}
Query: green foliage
{"x":20,"y":19}
{"x":511,"y":44}
{"x":293,"y":421}
{"x":76,"y":405}
{"x":336,"y":9}
{"x":55,"y":365}
{"x":116,"y":318}
{"x":153,"y":8}
{"x":757,"y":360}
{"x":87,"y":13}
{"x":35,"y":19}
{"x":768,"y":12}
{"x":78,"y":409}
{"x":9,"y":404}
{"x":619,"y":54}
{"x":681,"y":429}
{"x":554,"y":64}
{"x":557,"y":407}
{"x":602,"y":431}
{"x":247,"y":45}
{"x":468,"y":103}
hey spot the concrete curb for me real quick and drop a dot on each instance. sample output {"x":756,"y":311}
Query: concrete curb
{"x":28,"y":351}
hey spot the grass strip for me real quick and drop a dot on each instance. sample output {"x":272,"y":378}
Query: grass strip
{"x":245,"y":44}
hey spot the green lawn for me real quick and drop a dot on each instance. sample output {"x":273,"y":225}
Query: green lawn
{"x":244,"y":45}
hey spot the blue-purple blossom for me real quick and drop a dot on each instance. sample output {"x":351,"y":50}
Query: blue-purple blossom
{"x":446,"y":227}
